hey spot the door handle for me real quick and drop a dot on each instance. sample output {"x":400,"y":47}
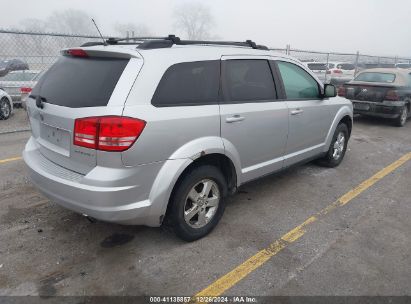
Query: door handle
{"x":234,"y":118}
{"x":296,"y":112}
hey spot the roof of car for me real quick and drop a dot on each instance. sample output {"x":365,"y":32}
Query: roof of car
{"x":24,"y":71}
{"x":187,"y":52}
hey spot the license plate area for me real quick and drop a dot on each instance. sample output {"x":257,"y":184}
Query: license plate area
{"x":361,"y":106}
{"x":55,"y":139}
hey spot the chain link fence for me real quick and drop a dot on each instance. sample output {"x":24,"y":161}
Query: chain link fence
{"x":36,"y":52}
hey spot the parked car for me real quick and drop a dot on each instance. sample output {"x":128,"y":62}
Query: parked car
{"x":12,"y":65}
{"x":381,"y":92}
{"x":403,"y":65}
{"x":6,"y":105}
{"x":320,"y":70}
{"x":142,"y":134}
{"x":340,"y":72}
{"x":19,"y":83}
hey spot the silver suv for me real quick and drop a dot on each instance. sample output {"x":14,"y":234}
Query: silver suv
{"x":160,"y":131}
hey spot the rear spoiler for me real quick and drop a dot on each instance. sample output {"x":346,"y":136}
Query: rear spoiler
{"x":95,"y":52}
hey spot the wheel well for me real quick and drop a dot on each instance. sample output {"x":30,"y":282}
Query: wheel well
{"x":348,"y":122}
{"x":218,"y":160}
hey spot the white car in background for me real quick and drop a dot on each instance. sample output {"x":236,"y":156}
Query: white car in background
{"x":320,"y":70}
{"x":6,"y":105}
{"x":340,"y":72}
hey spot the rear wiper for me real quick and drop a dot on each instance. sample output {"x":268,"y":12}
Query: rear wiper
{"x":39,"y":100}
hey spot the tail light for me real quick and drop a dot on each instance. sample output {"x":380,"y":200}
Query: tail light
{"x":392,"y":95}
{"x":76,"y":53}
{"x":341,"y":91}
{"x":25,"y":90}
{"x":107,"y":133}
{"x":337,"y":71}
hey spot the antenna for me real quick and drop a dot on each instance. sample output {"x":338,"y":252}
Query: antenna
{"x":95,"y":24}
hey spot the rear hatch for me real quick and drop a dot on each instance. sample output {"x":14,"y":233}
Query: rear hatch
{"x":80,"y":84}
{"x":363,"y":91}
{"x":371,"y":86}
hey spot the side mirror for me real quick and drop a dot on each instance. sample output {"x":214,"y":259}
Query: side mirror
{"x":330,"y":91}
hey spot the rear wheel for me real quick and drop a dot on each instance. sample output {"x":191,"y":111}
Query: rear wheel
{"x":198,"y":203}
{"x":5,"y":109}
{"x":337,"y":148}
{"x":402,"y":119}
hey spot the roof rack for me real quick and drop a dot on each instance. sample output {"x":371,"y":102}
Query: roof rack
{"x":170,"y":40}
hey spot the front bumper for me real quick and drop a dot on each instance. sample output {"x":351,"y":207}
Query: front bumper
{"x":125,"y":203}
{"x":378,"y":109}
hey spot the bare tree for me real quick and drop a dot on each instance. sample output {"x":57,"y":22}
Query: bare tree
{"x":194,"y":19}
{"x":132,"y":29}
{"x":70,"y":21}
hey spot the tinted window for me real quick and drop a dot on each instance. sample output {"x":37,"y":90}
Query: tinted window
{"x":346,"y":66}
{"x":376,"y":77}
{"x":298,"y":83}
{"x":80,"y":82}
{"x":248,"y":80}
{"x":190,"y":83}
{"x":317,"y":66}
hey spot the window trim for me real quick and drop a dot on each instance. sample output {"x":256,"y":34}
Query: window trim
{"x":281,"y":83}
{"x":192,"y":104}
{"x":223,"y":83}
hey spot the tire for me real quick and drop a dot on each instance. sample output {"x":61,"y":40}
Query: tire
{"x":336,"y":151}
{"x":5,"y":109}
{"x":207,"y":210}
{"x":402,"y":119}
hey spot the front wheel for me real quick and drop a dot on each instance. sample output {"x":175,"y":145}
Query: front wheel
{"x":337,"y":148}
{"x":402,"y":119}
{"x":198,"y":202}
{"x":5,"y":109}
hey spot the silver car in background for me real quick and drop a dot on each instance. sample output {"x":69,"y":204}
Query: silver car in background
{"x":162,"y":131}
{"x":18,"y":84}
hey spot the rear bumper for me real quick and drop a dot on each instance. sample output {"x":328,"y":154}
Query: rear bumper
{"x":93,"y":194}
{"x":377,"y":109}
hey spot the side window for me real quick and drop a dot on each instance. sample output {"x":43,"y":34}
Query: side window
{"x":298,"y":84}
{"x":189,"y":83}
{"x":248,"y":80}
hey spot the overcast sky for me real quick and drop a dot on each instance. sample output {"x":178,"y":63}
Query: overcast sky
{"x":380,"y":27}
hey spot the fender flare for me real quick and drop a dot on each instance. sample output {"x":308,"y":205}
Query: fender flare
{"x":342,"y":112}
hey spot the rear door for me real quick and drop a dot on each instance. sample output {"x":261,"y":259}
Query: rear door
{"x":309,"y":115}
{"x":76,"y":87}
{"x":252,"y":119}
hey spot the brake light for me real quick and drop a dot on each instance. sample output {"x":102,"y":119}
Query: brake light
{"x":86,"y":132}
{"x":107,"y":133}
{"x":336,"y":71}
{"x":25,"y":90}
{"x":77,"y":53}
{"x":341,"y":91}
{"x":392,"y":95}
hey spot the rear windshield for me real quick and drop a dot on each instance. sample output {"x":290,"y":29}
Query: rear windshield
{"x":19,"y":77}
{"x":317,"y":66}
{"x":80,"y":82}
{"x":376,"y":77}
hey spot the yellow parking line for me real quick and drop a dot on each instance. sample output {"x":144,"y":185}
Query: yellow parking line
{"x":2,"y":161}
{"x":240,"y":272}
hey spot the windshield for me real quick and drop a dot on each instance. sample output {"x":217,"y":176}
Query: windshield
{"x":376,"y":77}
